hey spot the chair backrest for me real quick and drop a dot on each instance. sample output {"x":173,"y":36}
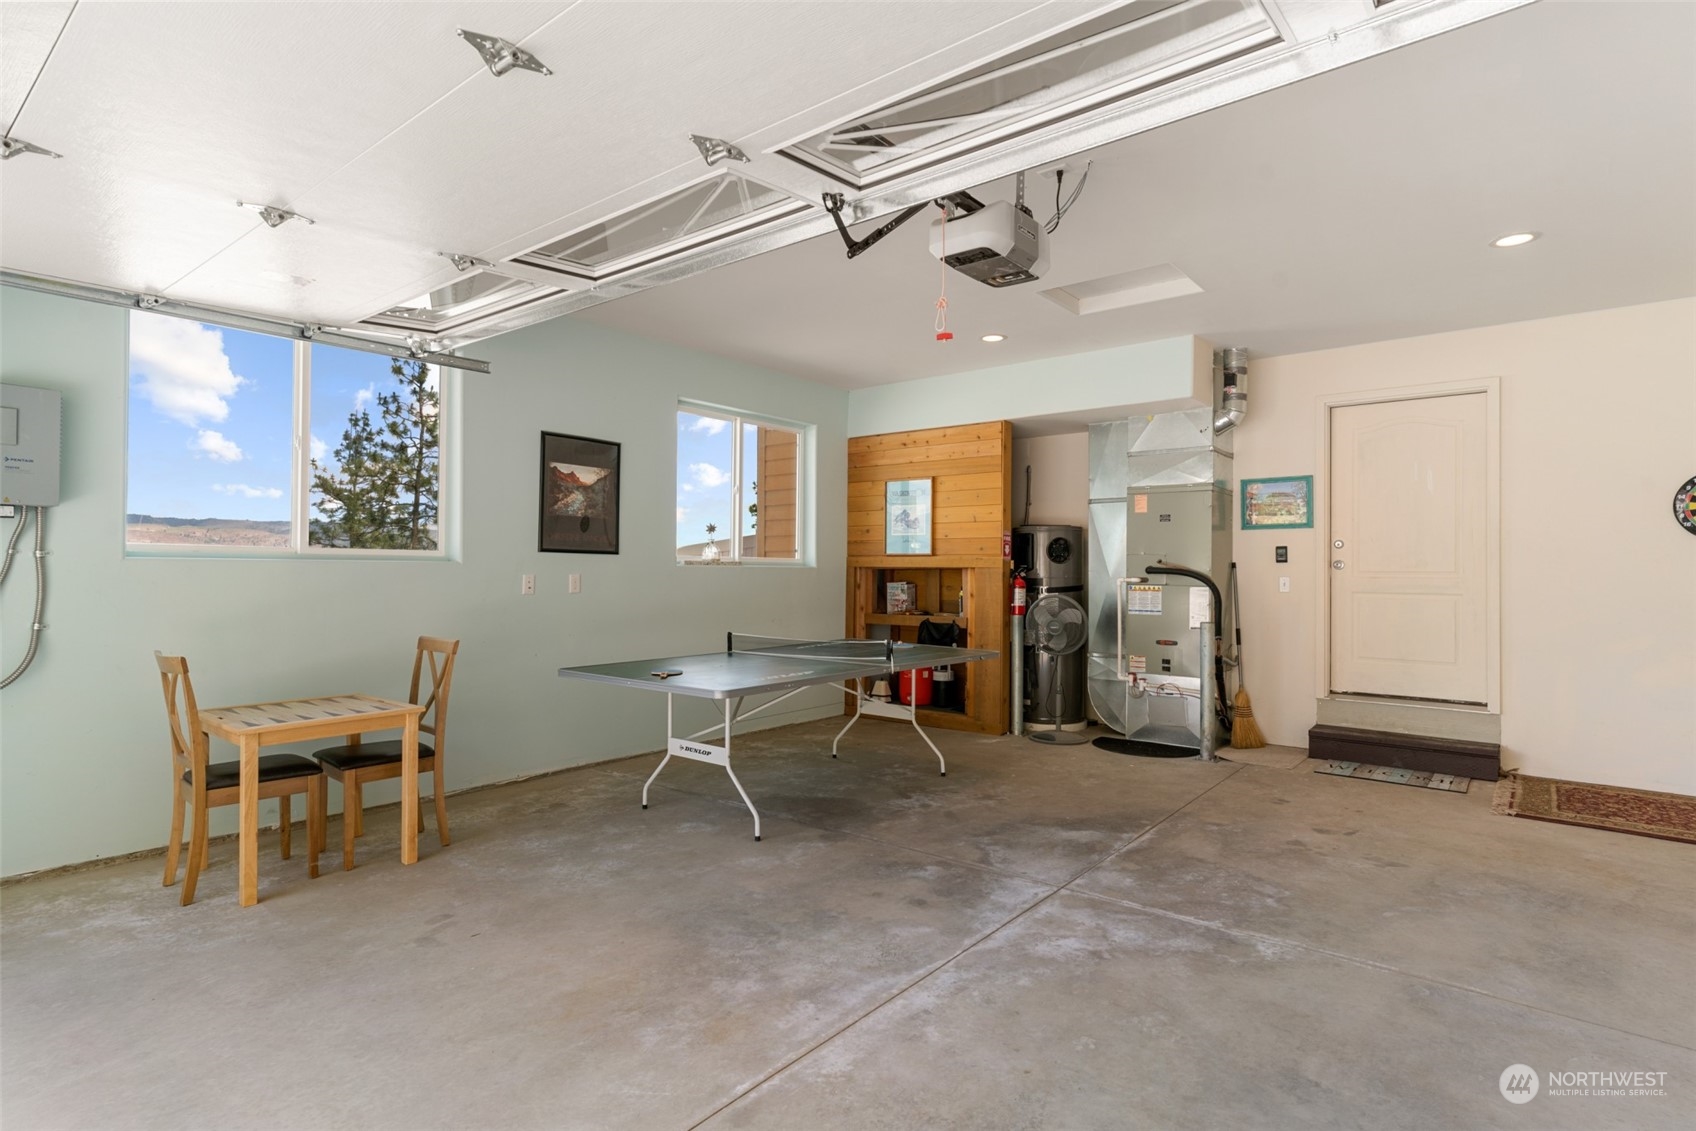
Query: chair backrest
{"x":438,"y":654}
{"x":187,"y":754}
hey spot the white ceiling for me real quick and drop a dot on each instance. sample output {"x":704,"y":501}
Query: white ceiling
{"x":1352,"y":205}
{"x":378,"y":122}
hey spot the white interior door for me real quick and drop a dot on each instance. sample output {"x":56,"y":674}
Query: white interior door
{"x":1409,"y":549}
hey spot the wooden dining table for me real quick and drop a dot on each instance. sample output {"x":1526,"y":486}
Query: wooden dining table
{"x":253,"y":725}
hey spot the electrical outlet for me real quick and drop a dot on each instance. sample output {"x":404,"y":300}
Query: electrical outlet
{"x":574,"y":583}
{"x":527,"y":585}
{"x":1283,"y":585}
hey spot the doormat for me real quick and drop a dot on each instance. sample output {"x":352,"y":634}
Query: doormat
{"x":1146,"y":749}
{"x":1669,"y":816}
{"x":1421,"y":778}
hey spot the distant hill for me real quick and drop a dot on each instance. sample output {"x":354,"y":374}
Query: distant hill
{"x":165,"y":530}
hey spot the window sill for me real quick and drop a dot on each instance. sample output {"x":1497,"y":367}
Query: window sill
{"x":753,"y":563}
{"x":144,"y":551}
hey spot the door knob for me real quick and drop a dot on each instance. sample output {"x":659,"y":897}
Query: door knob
{"x":1337,"y":565}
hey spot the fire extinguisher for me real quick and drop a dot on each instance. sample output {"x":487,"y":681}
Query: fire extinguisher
{"x":1016,"y":637}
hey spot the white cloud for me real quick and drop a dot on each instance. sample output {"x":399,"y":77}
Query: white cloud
{"x":682,"y":513}
{"x":711,"y":425}
{"x":319,"y":449}
{"x":216,"y":445}
{"x":706,"y":475}
{"x":183,"y":368}
{"x":364,"y":397}
{"x":247,"y":492}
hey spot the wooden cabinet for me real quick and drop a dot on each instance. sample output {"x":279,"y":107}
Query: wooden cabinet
{"x":965,"y":579}
{"x":983,"y":685}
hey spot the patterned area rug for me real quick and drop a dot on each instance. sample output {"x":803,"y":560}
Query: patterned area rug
{"x":1670,"y":816}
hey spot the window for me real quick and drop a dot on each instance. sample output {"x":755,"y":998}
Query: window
{"x":739,"y":487}
{"x":217,"y":417}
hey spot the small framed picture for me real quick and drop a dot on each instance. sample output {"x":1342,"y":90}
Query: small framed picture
{"x":579,"y":499}
{"x":1282,"y":503}
{"x":906,"y":516}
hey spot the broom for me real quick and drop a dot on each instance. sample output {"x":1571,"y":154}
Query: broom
{"x":1245,"y":732}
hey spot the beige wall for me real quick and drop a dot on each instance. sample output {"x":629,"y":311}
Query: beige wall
{"x":1059,"y":479}
{"x":1598,"y":613}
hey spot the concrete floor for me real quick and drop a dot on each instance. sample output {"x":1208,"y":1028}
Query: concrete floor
{"x":1049,"y":937}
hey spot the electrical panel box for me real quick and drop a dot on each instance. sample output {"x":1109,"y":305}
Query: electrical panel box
{"x":29,"y":446}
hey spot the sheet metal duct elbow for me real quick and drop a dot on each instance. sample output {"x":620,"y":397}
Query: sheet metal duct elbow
{"x":1234,"y":403}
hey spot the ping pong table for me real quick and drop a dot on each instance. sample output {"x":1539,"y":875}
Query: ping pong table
{"x":761,"y":665}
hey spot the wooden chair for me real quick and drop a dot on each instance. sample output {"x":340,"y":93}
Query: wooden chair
{"x":199,"y":786}
{"x":358,"y":762}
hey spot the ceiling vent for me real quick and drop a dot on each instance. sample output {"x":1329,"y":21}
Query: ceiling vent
{"x":1132,"y":288}
{"x":1129,"y":51}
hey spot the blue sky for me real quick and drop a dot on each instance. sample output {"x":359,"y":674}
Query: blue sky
{"x":704,"y":456}
{"x":211,"y":422}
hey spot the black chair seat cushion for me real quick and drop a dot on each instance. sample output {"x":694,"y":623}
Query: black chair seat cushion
{"x":272,"y":767}
{"x":368,"y":754}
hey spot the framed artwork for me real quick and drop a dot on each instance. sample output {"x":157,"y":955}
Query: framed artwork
{"x":906,"y":516}
{"x":1277,"y":503}
{"x":579,"y":498}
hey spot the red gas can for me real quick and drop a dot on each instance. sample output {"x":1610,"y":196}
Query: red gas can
{"x":916,"y":687}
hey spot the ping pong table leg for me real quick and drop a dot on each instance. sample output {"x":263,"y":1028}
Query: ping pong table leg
{"x":913,"y":717}
{"x":858,"y":691}
{"x":729,"y":717}
{"x":667,"y":757}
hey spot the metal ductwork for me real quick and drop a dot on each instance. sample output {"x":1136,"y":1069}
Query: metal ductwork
{"x":1161,"y":493}
{"x":1232,"y":367}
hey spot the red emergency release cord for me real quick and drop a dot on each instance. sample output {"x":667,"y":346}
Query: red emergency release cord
{"x":942,"y":332}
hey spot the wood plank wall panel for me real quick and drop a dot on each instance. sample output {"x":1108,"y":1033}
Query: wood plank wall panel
{"x":971,"y":469}
{"x":775,"y":471}
{"x":970,"y":466}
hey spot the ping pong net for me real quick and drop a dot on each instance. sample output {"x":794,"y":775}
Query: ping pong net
{"x":841,"y":651}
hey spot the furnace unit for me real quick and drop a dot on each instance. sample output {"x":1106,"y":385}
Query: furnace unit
{"x":1160,"y":492}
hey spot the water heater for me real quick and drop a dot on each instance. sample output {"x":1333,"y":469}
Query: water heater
{"x":29,"y":446}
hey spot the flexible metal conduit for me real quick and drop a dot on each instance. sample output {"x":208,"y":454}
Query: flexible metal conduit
{"x":40,"y":583}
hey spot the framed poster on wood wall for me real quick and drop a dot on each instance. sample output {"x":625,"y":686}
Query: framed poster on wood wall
{"x":907,"y":516}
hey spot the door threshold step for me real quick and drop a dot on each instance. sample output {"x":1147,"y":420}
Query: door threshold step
{"x":1480,"y":761}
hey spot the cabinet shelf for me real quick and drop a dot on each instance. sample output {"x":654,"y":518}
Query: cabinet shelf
{"x":980,"y":687}
{"x":913,"y":620}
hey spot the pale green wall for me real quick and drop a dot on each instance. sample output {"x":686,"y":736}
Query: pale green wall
{"x":83,"y":756}
{"x":1155,"y":376}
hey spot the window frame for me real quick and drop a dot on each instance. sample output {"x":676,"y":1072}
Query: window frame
{"x":804,"y":497}
{"x":300,"y":465}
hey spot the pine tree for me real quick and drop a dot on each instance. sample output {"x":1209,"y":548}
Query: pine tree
{"x":354,"y":495}
{"x":412,"y":446}
{"x":382,"y":491}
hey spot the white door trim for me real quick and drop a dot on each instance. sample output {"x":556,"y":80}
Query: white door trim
{"x":1491,"y":387}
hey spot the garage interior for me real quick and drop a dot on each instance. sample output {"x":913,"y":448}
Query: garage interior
{"x":602,"y":219}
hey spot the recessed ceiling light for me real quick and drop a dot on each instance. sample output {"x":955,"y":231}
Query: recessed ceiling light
{"x":995,"y":337}
{"x":1515,"y":239}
